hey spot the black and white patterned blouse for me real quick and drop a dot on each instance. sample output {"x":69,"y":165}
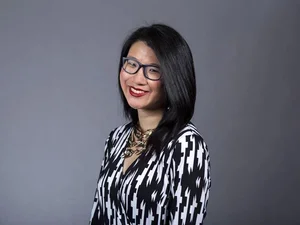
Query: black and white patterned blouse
{"x":172,"y":188}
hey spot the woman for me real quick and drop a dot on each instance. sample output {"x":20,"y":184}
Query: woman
{"x":155,"y":168}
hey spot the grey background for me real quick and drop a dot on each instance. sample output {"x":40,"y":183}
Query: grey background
{"x":59,"y":101}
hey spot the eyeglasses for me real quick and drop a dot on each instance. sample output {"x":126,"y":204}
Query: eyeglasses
{"x":132,"y":66}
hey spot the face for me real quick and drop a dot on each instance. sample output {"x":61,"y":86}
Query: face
{"x":140,"y":92}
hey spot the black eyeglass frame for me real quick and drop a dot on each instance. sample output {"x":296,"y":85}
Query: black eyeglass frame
{"x":140,"y":65}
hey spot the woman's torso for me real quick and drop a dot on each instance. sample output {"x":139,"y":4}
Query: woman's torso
{"x":141,"y":194}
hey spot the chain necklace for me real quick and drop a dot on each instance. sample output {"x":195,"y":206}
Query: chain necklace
{"x":137,"y":142}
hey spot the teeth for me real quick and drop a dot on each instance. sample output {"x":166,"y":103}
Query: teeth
{"x":137,"y":91}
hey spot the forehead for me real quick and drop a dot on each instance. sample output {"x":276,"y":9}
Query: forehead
{"x":142,"y":52}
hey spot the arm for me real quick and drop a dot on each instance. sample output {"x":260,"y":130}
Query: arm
{"x":95,"y":210}
{"x":190,"y":173}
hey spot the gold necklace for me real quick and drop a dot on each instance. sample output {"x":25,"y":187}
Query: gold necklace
{"x":137,"y":142}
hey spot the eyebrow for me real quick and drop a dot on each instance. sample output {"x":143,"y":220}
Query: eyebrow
{"x":151,"y":64}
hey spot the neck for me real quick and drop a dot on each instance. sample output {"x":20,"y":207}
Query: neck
{"x":149,"y":119}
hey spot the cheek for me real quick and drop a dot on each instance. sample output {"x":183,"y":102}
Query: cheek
{"x":157,"y":88}
{"x":123,"y":79}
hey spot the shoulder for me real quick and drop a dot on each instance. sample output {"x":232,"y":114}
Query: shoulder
{"x":190,"y":140}
{"x":119,"y":131}
{"x":190,"y":154}
{"x":117,"y":136}
{"x":186,"y":133}
{"x":189,"y":130}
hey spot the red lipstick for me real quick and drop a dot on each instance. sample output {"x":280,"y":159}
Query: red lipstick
{"x":137,"y":95}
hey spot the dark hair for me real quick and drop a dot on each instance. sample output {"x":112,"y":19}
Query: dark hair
{"x":178,"y":78}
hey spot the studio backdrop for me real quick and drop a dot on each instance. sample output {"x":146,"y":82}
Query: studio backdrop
{"x":59,"y":101}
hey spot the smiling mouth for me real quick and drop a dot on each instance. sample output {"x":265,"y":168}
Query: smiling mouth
{"x":137,"y":92}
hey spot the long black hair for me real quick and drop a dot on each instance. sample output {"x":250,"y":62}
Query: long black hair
{"x":178,"y":79}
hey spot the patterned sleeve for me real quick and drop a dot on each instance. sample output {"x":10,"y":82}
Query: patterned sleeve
{"x":95,"y":208}
{"x":190,"y":173}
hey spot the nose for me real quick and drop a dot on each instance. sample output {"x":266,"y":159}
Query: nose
{"x":139,"y":77}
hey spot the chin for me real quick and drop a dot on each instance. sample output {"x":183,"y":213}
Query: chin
{"x":138,"y":106}
{"x":134,"y":106}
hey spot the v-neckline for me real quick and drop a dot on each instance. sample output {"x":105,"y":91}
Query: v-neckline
{"x":123,"y":159}
{"x":124,"y":173}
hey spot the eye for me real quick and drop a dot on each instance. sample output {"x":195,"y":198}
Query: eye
{"x":153,"y":70}
{"x":132,"y":63}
